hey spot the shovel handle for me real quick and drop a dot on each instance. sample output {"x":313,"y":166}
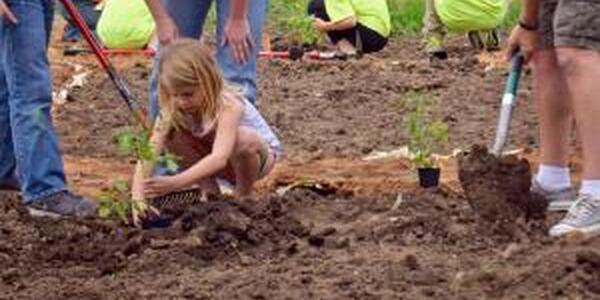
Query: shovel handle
{"x":512,"y":84}
{"x":508,"y":103}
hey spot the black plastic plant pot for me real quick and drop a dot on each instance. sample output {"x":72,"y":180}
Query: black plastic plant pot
{"x":429,"y":177}
{"x":156,"y":222}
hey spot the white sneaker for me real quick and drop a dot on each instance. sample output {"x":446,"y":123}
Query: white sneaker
{"x":583,"y":217}
{"x":560,"y":200}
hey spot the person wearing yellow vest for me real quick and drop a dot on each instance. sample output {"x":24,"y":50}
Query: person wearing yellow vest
{"x":463,"y":16}
{"x":353,"y":25}
{"x":125,"y":24}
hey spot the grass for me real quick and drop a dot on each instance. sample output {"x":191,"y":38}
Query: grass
{"x":406,"y":16}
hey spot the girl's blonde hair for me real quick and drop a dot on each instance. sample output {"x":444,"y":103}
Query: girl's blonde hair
{"x":187,"y":63}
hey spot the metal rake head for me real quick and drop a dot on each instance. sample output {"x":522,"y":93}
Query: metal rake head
{"x":179,"y":199}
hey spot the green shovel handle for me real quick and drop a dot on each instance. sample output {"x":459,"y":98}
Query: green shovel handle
{"x":512,"y":84}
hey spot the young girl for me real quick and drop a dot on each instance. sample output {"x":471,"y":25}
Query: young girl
{"x":208,"y":124}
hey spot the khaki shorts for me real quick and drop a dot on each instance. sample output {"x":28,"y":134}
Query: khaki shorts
{"x":570,"y":23}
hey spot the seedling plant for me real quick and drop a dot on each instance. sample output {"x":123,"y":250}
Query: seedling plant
{"x":116,"y":201}
{"x":426,"y":133}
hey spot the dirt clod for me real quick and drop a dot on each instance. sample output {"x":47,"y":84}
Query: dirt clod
{"x":498,"y":188}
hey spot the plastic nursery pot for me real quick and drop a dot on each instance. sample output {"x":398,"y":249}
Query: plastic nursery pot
{"x":156,"y":222}
{"x":429,"y":177}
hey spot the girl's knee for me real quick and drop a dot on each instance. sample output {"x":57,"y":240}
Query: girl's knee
{"x":248,"y":142}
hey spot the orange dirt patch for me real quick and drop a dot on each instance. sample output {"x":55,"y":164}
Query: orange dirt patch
{"x":89,"y":176}
{"x":357,"y":176}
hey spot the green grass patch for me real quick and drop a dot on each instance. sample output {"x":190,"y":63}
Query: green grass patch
{"x":406,"y":16}
{"x":290,"y":19}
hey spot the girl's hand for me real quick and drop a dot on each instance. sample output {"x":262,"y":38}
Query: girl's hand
{"x":237,"y":35}
{"x":158,"y":186}
{"x":320,"y":25}
{"x":141,"y":210}
{"x":6,"y":13}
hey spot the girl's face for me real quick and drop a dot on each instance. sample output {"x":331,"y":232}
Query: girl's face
{"x":185,"y":98}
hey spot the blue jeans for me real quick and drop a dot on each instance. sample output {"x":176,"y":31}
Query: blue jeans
{"x":87,"y":9}
{"x":29,"y":149}
{"x":189,"y":15}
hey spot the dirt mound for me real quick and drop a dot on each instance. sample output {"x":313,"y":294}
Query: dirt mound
{"x":498,"y":188}
{"x":224,"y":228}
{"x":215,"y":229}
{"x":423,"y":245}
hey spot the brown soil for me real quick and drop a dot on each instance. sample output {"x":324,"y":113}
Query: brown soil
{"x":498,"y":188}
{"x":339,"y":230}
{"x":300,"y":245}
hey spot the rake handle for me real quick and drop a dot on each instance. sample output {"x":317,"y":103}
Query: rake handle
{"x":125,"y":93}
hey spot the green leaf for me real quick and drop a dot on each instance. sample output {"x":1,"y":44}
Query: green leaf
{"x":121,"y":186}
{"x":104,"y":211}
{"x":426,"y":134}
{"x":125,"y":142}
{"x":170,"y":161}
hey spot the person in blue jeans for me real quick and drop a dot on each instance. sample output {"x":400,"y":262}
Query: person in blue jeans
{"x":30,"y":158}
{"x":239,"y":30}
{"x":89,"y":13}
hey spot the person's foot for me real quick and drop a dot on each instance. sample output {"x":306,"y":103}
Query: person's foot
{"x":491,"y":40}
{"x":347,"y":49}
{"x":475,"y":40}
{"x":435,"y":48}
{"x":560,"y":200}
{"x":8,"y":186}
{"x":62,"y":204}
{"x":583,"y":217}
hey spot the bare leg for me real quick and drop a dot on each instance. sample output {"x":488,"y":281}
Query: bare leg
{"x":434,"y":30}
{"x":581,"y":69}
{"x":554,"y":111}
{"x":246,"y":162}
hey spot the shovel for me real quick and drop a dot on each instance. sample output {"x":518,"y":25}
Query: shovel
{"x":508,"y":104}
{"x":132,"y":103}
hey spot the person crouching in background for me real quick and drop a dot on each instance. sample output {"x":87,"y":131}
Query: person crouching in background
{"x":353,"y":25}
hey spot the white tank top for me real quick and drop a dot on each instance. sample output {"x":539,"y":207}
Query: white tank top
{"x":253,"y":119}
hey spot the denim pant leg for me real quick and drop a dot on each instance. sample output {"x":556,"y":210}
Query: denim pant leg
{"x":8,"y":164}
{"x":243,"y":75}
{"x":88,"y":11}
{"x":189,"y":15}
{"x":25,"y":65}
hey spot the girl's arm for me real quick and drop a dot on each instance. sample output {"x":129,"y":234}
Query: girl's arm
{"x":143,"y":169}
{"x":226,"y":136}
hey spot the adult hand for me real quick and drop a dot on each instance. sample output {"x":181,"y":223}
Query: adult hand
{"x":238,"y":36}
{"x":167,"y":31}
{"x":158,"y":186}
{"x":6,"y":13}
{"x":523,"y":40}
{"x":320,"y":24}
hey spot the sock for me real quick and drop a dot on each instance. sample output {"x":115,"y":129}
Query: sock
{"x":590,"y":187}
{"x":553,"y":178}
